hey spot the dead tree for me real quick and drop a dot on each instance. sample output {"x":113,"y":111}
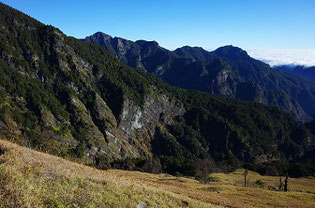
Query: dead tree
{"x":245,"y":174}
{"x":204,"y":168}
{"x":286,"y":180}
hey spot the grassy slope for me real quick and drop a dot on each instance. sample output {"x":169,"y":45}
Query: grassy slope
{"x":33,"y":179}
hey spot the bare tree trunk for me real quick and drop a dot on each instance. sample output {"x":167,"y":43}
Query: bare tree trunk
{"x":245,"y":177}
{"x":286,"y":182}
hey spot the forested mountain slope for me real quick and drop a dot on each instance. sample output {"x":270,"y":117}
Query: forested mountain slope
{"x":227,"y":71}
{"x":76,"y":100}
{"x":306,"y":72}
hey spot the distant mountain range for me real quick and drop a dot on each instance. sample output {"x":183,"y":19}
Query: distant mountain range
{"x":228,"y":71}
{"x":306,"y":72}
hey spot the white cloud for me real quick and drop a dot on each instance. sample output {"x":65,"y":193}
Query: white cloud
{"x":275,"y":57}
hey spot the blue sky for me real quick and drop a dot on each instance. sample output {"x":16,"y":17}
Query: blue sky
{"x":249,"y":24}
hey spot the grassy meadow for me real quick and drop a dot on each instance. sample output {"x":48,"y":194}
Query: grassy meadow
{"x":33,"y":179}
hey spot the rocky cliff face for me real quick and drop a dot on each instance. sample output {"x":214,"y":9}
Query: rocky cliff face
{"x":137,"y":125}
{"x":131,"y":137}
{"x":126,"y":51}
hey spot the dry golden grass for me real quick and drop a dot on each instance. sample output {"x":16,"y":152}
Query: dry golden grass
{"x":33,"y":179}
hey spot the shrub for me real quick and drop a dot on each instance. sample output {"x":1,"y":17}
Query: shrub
{"x":260,"y":183}
{"x":78,"y":151}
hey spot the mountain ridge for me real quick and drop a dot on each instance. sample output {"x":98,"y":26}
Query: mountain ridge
{"x":306,"y":72}
{"x":266,"y":85}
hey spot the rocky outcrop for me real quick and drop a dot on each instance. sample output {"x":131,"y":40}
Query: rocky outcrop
{"x":137,"y":125}
{"x":156,"y":109}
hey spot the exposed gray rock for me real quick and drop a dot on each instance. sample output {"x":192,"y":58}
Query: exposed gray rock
{"x":74,"y":87}
{"x":134,"y":118}
{"x":49,"y":176}
{"x":137,"y":125}
{"x":48,"y":119}
{"x":141,"y":205}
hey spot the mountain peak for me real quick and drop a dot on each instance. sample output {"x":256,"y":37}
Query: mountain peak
{"x":191,"y":48}
{"x":100,"y":36}
{"x":230,"y":51}
{"x":195,"y":53}
{"x":147,"y":43}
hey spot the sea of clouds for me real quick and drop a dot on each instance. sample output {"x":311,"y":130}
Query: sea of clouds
{"x":275,"y":57}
